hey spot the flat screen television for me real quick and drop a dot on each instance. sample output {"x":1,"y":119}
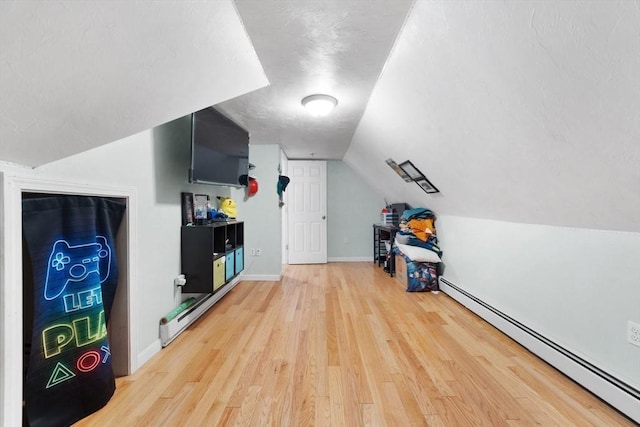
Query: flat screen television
{"x":219,"y":149}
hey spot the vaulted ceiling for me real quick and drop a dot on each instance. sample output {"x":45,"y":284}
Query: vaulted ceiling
{"x":306,"y":47}
{"x":75,"y":75}
{"x":525,"y":111}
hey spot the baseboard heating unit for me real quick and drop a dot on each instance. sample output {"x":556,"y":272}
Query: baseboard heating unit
{"x":171,"y":330}
{"x":618,"y":394}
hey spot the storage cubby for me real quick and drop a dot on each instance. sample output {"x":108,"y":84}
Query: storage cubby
{"x":212,"y":255}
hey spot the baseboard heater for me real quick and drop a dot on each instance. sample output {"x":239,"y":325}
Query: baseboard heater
{"x":617,"y":393}
{"x":171,"y":330}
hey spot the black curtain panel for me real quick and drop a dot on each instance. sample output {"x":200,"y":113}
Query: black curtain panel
{"x":70,"y":242}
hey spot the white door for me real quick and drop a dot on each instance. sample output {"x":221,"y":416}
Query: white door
{"x":307,"y":211}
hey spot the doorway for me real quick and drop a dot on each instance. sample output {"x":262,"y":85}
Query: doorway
{"x":124,"y":318}
{"x":307,"y":212}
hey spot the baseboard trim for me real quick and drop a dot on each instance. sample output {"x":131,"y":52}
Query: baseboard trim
{"x":261,"y":277}
{"x":149,"y":352}
{"x":351,"y":259}
{"x":617,"y":393}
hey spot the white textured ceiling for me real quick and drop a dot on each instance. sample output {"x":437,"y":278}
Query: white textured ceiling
{"x":314,"y":46}
{"x":78,"y":74}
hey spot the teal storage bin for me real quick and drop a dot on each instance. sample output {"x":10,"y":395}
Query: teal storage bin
{"x":239,"y":259}
{"x":229,"y":265}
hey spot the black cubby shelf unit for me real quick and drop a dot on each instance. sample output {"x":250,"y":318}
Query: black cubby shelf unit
{"x":212,"y":255}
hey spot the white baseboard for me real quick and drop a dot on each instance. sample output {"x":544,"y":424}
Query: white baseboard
{"x":261,"y":277}
{"x":149,"y":352}
{"x":351,"y":259}
{"x":610,"y":389}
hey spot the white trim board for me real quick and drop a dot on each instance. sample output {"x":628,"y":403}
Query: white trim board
{"x":351,"y":259}
{"x":13,"y":186}
{"x":261,"y":277}
{"x":151,"y":350}
{"x":599,"y":383}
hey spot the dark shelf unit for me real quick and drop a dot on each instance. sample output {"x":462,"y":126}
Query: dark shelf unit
{"x":212,"y":255}
{"x":382,"y":233}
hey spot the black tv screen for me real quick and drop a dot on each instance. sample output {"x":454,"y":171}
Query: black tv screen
{"x":219,"y":149}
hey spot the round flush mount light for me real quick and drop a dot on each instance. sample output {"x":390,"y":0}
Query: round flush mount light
{"x":319,"y":105}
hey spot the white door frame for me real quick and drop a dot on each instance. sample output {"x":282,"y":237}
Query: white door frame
{"x":284,"y":217}
{"x":13,"y":186}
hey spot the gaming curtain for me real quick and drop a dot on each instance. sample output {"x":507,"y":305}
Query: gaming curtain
{"x":70,"y":241}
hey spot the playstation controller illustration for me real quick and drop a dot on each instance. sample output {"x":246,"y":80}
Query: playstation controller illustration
{"x":68,"y":263}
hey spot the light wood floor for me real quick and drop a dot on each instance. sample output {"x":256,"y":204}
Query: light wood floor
{"x":345,"y":345}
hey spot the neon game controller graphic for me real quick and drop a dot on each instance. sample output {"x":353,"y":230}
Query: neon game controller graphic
{"x":69,"y":263}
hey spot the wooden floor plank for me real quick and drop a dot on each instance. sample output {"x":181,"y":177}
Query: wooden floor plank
{"x":343,"y":344}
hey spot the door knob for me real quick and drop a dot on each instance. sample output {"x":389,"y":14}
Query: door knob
{"x":323,"y":217}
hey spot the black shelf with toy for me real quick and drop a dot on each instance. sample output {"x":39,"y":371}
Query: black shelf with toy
{"x":212,"y":255}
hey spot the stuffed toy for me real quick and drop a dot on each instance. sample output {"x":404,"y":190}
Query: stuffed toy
{"x":228,"y":206}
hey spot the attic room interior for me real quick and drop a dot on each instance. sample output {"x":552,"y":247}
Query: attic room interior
{"x":523,"y":118}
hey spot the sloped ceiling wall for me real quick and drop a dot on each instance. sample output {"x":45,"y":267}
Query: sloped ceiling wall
{"x":524,"y":111}
{"x":75,"y":75}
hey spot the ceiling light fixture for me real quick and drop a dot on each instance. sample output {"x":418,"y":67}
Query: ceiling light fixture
{"x":319,"y":105}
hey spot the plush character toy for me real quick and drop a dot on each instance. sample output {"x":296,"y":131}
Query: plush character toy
{"x":228,"y":206}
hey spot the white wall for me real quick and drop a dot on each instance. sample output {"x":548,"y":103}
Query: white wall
{"x":577,"y":287}
{"x":352,"y":207}
{"x":262,"y":216}
{"x":86,"y":73}
{"x":525,"y":111}
{"x":284,"y":217}
{"x":155,"y":163}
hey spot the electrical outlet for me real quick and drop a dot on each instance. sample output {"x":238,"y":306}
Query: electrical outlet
{"x":252,"y":251}
{"x":258,"y":252}
{"x":633,"y":333}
